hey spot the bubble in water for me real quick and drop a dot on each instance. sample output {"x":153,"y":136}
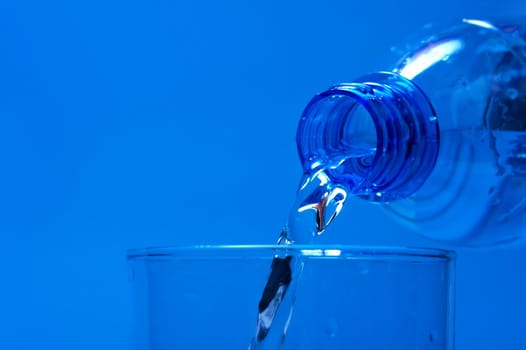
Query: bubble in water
{"x":512,"y":93}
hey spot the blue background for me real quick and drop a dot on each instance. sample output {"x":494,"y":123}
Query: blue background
{"x":131,"y":124}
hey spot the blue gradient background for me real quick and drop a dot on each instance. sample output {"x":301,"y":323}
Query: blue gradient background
{"x":131,"y":124}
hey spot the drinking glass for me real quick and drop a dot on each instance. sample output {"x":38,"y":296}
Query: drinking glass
{"x":346,"y":297}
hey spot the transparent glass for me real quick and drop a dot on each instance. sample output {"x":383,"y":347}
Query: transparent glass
{"x":206,"y":297}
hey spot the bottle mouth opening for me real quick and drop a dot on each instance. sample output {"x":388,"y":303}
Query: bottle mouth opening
{"x":338,"y":132}
{"x":377,"y":136}
{"x":336,"y":123}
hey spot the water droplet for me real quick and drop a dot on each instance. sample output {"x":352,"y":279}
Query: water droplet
{"x":433,"y":118}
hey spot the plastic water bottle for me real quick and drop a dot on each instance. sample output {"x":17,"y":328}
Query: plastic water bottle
{"x":438,"y":139}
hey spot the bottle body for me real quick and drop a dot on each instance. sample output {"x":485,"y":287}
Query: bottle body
{"x":446,"y":132}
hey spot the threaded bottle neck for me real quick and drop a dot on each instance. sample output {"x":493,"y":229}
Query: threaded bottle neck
{"x":378,"y":136}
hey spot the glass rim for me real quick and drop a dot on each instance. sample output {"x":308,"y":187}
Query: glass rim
{"x":266,"y":251}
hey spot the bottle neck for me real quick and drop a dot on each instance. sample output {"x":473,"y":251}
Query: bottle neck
{"x":378,"y":136}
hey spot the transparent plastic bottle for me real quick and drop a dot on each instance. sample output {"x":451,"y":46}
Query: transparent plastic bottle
{"x":439,"y":139}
